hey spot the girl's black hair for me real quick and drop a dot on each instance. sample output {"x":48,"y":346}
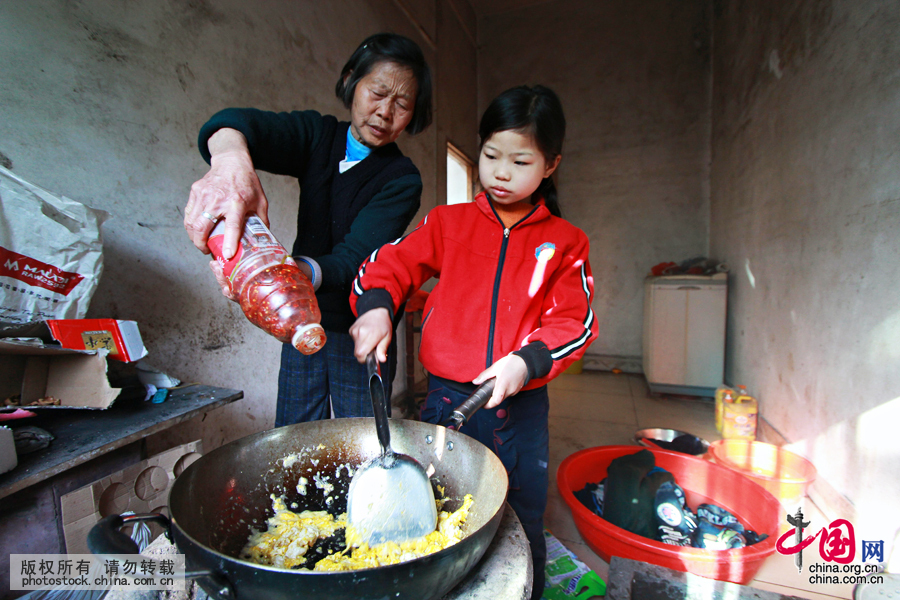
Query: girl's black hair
{"x":389,"y":47}
{"x":534,"y":111}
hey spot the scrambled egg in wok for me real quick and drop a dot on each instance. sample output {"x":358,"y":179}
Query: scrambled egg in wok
{"x":291,"y":535}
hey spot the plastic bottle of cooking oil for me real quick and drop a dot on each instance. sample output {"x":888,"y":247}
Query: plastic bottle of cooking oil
{"x":723,"y":394}
{"x":739,"y":417}
{"x":273,"y":292}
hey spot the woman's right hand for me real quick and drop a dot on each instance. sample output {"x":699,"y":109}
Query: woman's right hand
{"x":229,"y":190}
{"x":372,"y":331}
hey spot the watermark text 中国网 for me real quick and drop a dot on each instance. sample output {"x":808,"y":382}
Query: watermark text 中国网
{"x":837,"y":547}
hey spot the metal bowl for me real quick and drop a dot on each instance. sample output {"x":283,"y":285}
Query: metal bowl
{"x":647,"y":437}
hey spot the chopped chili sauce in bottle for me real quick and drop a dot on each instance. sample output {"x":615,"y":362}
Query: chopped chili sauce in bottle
{"x":273,"y":292}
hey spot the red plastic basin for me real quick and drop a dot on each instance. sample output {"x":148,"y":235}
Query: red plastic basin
{"x":702,"y":481}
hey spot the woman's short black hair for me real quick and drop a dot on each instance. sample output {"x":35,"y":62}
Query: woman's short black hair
{"x":389,"y":47}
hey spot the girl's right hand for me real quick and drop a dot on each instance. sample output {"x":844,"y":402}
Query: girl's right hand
{"x":372,"y":331}
{"x":511,"y":373}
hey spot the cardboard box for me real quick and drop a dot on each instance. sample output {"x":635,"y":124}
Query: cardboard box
{"x":35,"y":370}
{"x":121,"y":338}
{"x":143,"y":488}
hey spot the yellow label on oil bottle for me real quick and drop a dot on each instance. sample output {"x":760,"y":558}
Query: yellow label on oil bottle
{"x":739,"y":418}
{"x":723,"y":395}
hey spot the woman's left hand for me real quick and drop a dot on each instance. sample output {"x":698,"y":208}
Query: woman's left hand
{"x":511,"y":374}
{"x":222,"y":280}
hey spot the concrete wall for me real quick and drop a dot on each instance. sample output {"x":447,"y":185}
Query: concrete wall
{"x":101,"y":101}
{"x":457,"y":101}
{"x":805,"y":204}
{"x":633,"y":79}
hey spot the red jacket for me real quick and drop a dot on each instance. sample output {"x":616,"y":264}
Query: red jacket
{"x":527,"y":289}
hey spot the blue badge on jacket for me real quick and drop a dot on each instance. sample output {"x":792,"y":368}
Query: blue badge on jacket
{"x":545,"y":252}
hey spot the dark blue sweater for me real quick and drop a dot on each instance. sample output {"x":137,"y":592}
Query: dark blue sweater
{"x":342,"y":217}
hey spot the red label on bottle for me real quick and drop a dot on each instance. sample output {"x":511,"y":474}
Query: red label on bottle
{"x":39,"y":274}
{"x":255,"y":238}
{"x":215,"y":243}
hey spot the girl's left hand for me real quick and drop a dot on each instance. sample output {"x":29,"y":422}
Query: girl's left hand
{"x":511,"y":374}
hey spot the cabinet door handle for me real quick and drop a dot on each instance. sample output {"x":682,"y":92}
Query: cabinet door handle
{"x":688,"y":287}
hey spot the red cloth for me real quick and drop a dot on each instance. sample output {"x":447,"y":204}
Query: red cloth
{"x":19,"y":413}
{"x":417,"y":301}
{"x":661,"y":268}
{"x":543,"y":292}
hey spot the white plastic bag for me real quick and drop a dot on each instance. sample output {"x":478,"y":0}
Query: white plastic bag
{"x":51,"y":254}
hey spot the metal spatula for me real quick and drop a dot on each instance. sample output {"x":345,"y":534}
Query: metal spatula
{"x":390,"y":497}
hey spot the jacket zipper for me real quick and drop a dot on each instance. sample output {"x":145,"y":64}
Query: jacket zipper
{"x":425,"y":322}
{"x":496,"y":293}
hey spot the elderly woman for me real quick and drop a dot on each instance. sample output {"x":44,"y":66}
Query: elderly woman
{"x":357,"y":192}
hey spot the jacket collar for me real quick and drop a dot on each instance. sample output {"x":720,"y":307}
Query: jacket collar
{"x":540,"y":213}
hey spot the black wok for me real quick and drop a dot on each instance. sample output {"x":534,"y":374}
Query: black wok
{"x":218,"y":499}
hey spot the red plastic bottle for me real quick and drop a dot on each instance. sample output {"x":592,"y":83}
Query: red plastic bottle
{"x":274,"y":294}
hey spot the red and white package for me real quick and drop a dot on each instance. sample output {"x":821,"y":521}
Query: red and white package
{"x":51,"y":254}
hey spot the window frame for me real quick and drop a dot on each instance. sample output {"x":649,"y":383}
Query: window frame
{"x":461,"y":158}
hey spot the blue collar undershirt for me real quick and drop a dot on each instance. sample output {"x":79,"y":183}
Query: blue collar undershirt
{"x":356,"y":151}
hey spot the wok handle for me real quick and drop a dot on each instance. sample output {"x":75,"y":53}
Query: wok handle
{"x":379,"y":403}
{"x":477,"y":400}
{"x":106,"y":538}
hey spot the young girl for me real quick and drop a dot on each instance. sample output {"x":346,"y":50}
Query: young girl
{"x":513,"y":300}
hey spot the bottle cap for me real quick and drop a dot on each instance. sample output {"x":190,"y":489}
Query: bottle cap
{"x":308,"y":339}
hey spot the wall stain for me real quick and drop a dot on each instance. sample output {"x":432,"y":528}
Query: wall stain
{"x":295,"y":41}
{"x":185,"y":75}
{"x":751,"y":34}
{"x":155,"y":226}
{"x":223,"y":331}
{"x":5,"y":161}
{"x":112,"y":44}
{"x":197,"y":14}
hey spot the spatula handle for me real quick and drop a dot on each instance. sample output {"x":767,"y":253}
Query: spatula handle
{"x":379,"y":403}
{"x":477,"y":400}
